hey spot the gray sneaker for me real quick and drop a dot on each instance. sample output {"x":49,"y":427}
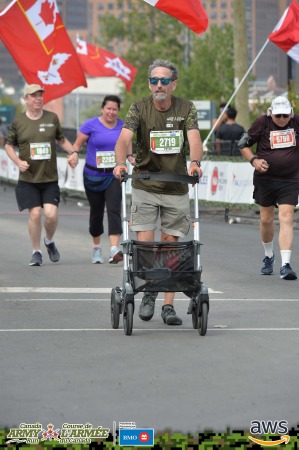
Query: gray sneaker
{"x":36,"y":259}
{"x":267,"y":268}
{"x":287,"y":273}
{"x":53,"y":253}
{"x":147,"y":306}
{"x":169,"y":316}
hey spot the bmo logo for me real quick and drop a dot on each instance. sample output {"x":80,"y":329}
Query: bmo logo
{"x":214,"y":181}
{"x":136,"y":437}
{"x":144,"y":437}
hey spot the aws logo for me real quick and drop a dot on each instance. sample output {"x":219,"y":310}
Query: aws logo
{"x":270,"y":427}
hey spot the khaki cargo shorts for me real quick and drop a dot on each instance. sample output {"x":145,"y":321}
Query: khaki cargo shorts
{"x":174,"y":211}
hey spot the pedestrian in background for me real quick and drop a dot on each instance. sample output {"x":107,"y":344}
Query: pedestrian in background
{"x":228,"y":135}
{"x":275,"y":179}
{"x":101,"y":187}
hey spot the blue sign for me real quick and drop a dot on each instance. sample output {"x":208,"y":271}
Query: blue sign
{"x":136,"y":437}
{"x":7,"y":113}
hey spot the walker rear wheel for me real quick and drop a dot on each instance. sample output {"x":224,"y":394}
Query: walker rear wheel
{"x":128,"y":318}
{"x":115,"y":309}
{"x":203,"y":319}
{"x":195,"y":315}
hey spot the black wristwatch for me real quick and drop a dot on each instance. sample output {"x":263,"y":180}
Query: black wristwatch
{"x":197,"y":162}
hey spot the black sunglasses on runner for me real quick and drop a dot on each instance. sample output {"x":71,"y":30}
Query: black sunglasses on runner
{"x":279,"y":116}
{"x":164,"y":80}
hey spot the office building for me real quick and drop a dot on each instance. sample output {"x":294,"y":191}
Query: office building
{"x":84,"y":17}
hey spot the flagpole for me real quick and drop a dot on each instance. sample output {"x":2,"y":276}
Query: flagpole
{"x":233,"y":95}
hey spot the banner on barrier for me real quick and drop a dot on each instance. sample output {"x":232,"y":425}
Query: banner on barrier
{"x":225,"y":182}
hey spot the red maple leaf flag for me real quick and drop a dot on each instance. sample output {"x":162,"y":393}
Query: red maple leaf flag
{"x":190,"y":12}
{"x":34,"y":34}
{"x":286,"y":33}
{"x":97,"y":62}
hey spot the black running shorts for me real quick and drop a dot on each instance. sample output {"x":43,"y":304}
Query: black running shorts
{"x":30,"y":195}
{"x":275,"y":192}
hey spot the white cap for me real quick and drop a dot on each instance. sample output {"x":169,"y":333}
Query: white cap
{"x":32,"y":88}
{"x":281,"y":105}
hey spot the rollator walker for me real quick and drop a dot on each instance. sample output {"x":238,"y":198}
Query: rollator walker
{"x":160,"y":266}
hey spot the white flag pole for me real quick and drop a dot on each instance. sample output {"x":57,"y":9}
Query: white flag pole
{"x":240,"y":84}
{"x":234,"y":94}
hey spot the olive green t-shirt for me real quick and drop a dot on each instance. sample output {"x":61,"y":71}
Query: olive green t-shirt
{"x":170,"y":126}
{"x":36,"y":142}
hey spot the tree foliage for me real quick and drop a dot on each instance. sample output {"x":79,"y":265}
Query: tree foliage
{"x":143,"y":33}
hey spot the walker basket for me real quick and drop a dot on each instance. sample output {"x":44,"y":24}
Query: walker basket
{"x":165,"y":266}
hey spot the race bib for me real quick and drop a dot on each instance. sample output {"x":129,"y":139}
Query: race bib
{"x":166,"y":142}
{"x":105,"y":160}
{"x":282,"y":138}
{"x":40,"y":150}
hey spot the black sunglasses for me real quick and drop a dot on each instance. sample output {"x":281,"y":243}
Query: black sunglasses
{"x":279,"y":116}
{"x":164,"y":80}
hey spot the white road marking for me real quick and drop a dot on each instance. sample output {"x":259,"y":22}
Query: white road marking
{"x":25,"y":330}
{"x":68,"y":290}
{"x":186,"y":299}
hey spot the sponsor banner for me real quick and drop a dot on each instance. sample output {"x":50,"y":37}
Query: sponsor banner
{"x":74,"y":178}
{"x":136,"y":437}
{"x":218,"y":176}
{"x":203,"y":182}
{"x":3,"y":164}
{"x":8,"y":169}
{"x":240,"y":183}
{"x":227,"y":182}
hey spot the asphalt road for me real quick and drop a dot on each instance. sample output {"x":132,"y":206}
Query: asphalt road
{"x":61,"y":362}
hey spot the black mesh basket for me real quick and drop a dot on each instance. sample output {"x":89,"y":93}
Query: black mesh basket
{"x":165,"y":267}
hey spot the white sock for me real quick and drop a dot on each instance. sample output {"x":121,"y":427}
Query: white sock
{"x":48,"y":241}
{"x":113,"y":250}
{"x":285,"y":257}
{"x":268,"y":247}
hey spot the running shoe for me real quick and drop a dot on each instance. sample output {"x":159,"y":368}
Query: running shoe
{"x":36,"y":259}
{"x":287,"y":273}
{"x":53,"y":253}
{"x":97,"y":256}
{"x":169,"y":316}
{"x":116,"y":256}
{"x":267,"y":268}
{"x":147,"y":306}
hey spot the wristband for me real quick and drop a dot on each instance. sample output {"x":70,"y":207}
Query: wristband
{"x":197,"y":162}
{"x":121,"y":164}
{"x":75,"y":152}
{"x":252,"y":159}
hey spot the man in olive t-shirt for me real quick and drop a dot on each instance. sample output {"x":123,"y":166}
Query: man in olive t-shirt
{"x":164,"y":124}
{"x":35,"y":133}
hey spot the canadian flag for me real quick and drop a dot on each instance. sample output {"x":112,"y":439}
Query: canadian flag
{"x":34,"y":34}
{"x":286,"y":33}
{"x":190,"y":12}
{"x":97,"y":62}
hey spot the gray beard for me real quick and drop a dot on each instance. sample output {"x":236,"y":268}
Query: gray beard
{"x":160,"y":97}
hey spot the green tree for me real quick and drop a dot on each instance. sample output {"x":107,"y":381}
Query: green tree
{"x":147,"y":33}
{"x":210,"y":74}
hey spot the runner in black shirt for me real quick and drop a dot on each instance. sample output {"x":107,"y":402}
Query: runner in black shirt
{"x":275,"y":179}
